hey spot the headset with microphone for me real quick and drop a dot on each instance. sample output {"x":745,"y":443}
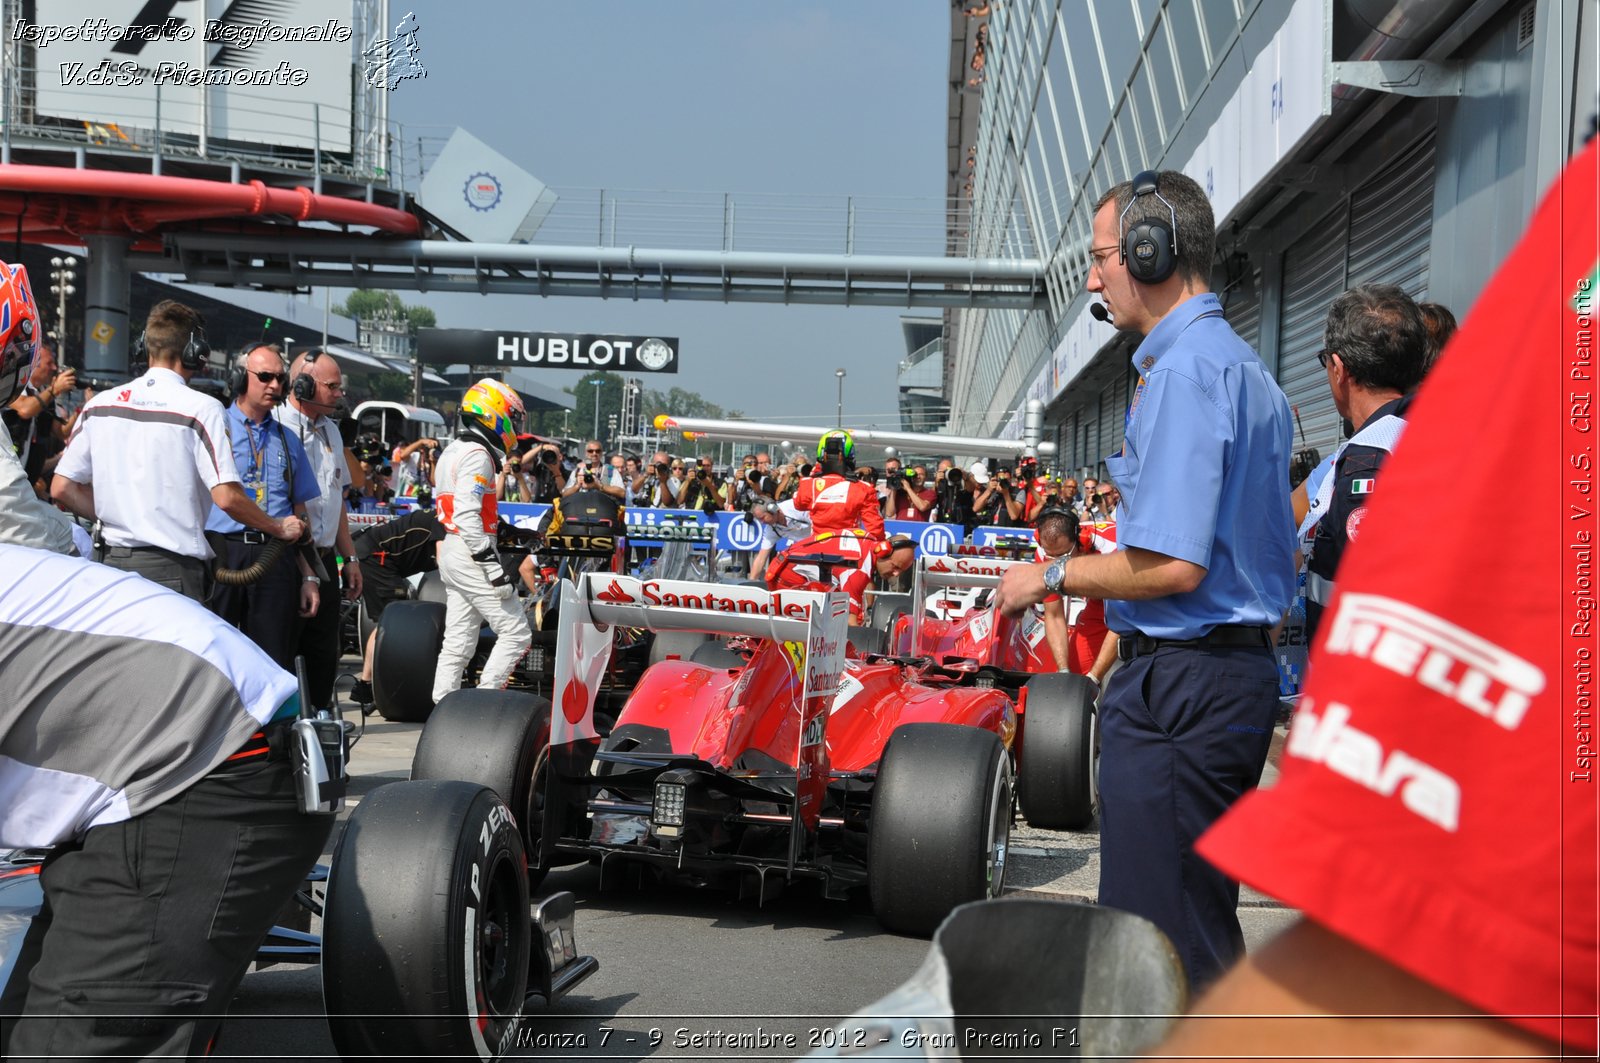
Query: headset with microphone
{"x":239,"y":376}
{"x":304,"y":386}
{"x":1149,"y":246}
{"x":193,"y":357}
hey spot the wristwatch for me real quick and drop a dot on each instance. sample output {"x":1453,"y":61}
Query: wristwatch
{"x":1054,"y":575}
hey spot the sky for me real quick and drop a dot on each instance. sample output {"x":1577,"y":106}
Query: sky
{"x":707,"y":96}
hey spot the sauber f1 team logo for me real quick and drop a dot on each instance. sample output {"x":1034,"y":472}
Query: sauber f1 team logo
{"x":1471,"y":671}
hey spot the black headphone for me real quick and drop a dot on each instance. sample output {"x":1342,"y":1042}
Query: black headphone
{"x":1149,"y":247}
{"x":239,"y":376}
{"x":193,"y":356}
{"x":304,"y":387}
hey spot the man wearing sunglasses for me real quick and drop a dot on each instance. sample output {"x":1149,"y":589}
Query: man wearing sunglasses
{"x":147,"y":460}
{"x":276,"y":473}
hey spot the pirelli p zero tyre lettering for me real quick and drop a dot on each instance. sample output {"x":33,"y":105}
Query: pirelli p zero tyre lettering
{"x":426,"y":935}
{"x":941,"y":824}
{"x":498,"y":739}
{"x":1055,"y":775}
{"x":403,"y":660}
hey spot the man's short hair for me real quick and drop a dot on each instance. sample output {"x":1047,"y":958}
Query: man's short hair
{"x":168,"y":327}
{"x":1057,"y":521}
{"x":1191,"y":210}
{"x":1441,"y":325}
{"x":1378,"y":333}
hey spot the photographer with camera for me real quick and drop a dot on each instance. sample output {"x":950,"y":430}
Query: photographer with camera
{"x":999,"y":504}
{"x":953,"y":494}
{"x":593,"y":474}
{"x":702,"y":490}
{"x":511,"y":483}
{"x":907,"y":498}
{"x":413,"y":464}
{"x":34,"y":420}
{"x":661,"y":482}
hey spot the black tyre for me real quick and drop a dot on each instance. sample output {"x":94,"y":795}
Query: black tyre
{"x":426,"y":938}
{"x":403,"y":660}
{"x":498,"y":739}
{"x":431,"y":588}
{"x":676,"y":644}
{"x":941,"y":824}
{"x":886,"y":608}
{"x":717,"y":654}
{"x":868,"y":639}
{"x":1055,"y":771}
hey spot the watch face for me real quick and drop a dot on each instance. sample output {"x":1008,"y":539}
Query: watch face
{"x":1053,"y":576}
{"x":654,"y":354}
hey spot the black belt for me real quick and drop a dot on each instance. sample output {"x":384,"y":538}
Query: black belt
{"x":160,"y":551}
{"x":269,"y":744}
{"x":1226,"y":636}
{"x":248,"y":535}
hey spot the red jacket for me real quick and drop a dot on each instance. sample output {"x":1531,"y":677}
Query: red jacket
{"x":839,"y":505}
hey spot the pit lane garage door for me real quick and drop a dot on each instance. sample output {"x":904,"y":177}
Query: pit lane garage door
{"x":1381,"y":234}
{"x":1242,"y":307}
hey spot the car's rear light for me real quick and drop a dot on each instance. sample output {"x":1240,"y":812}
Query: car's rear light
{"x":667,"y":814}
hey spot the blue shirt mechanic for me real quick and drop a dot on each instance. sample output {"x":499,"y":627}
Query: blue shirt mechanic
{"x":277,"y":485}
{"x":1208,"y":435}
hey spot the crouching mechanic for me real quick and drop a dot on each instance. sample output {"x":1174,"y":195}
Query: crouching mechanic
{"x":889,"y":558}
{"x":176,"y":831}
{"x":478,"y":589}
{"x":390,"y":553}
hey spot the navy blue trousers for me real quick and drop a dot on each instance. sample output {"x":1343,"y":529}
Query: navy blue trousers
{"x":1184,"y":733}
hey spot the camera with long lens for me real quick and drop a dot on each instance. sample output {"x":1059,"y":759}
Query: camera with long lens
{"x":953,"y":477}
{"x":549,"y":457}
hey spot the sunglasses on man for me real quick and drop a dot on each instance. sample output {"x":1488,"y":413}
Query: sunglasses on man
{"x":268,"y":377}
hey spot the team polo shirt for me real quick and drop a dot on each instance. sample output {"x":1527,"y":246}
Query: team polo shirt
{"x":791,"y":526}
{"x":120,"y":694}
{"x":152,"y":449}
{"x":1438,"y":793}
{"x":273,"y":468}
{"x":324,"y":448}
{"x":1204,"y":476}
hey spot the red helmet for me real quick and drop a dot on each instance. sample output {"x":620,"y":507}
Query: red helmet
{"x":19,"y":330}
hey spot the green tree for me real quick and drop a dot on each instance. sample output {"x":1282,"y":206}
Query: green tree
{"x":365,"y":303}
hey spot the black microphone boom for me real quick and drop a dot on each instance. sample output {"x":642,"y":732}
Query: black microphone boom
{"x":1099,"y":312}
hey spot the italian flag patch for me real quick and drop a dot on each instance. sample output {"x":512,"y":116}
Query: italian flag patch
{"x":1361,"y":487}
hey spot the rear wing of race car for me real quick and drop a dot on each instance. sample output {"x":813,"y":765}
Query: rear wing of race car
{"x":963,"y":566}
{"x":814,"y":626}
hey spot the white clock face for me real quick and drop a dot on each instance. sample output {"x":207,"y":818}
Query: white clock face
{"x":654,"y":354}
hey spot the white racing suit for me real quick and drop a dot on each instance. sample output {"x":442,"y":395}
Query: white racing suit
{"x":477,"y":588}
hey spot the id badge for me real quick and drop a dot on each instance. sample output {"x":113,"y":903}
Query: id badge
{"x":258,"y":490}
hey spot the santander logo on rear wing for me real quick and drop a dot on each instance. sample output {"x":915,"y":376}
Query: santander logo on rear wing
{"x":959,"y":570}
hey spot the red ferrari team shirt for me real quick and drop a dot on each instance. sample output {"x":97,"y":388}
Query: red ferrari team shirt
{"x":789,"y":571}
{"x":1437,"y":803}
{"x":839,"y":505}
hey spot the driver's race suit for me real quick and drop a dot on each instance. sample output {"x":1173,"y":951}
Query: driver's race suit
{"x":838,"y":504}
{"x":478,"y":590}
{"x":790,"y":570}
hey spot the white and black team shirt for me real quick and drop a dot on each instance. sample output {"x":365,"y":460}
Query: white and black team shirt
{"x":152,"y":450}
{"x":119,"y":695}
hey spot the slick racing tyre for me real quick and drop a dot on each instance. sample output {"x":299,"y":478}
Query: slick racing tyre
{"x":431,"y":588}
{"x":403,"y":659}
{"x":1055,"y":769}
{"x":941,"y":824}
{"x":717,"y":654}
{"x":498,"y":739}
{"x":426,"y":936}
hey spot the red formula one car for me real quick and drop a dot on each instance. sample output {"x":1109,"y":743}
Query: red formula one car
{"x":779,"y":754}
{"x":1056,"y":738}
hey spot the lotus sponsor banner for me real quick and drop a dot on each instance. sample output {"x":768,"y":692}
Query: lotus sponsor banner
{"x":547,"y":350}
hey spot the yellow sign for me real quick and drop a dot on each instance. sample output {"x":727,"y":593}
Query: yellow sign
{"x":102,"y":332}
